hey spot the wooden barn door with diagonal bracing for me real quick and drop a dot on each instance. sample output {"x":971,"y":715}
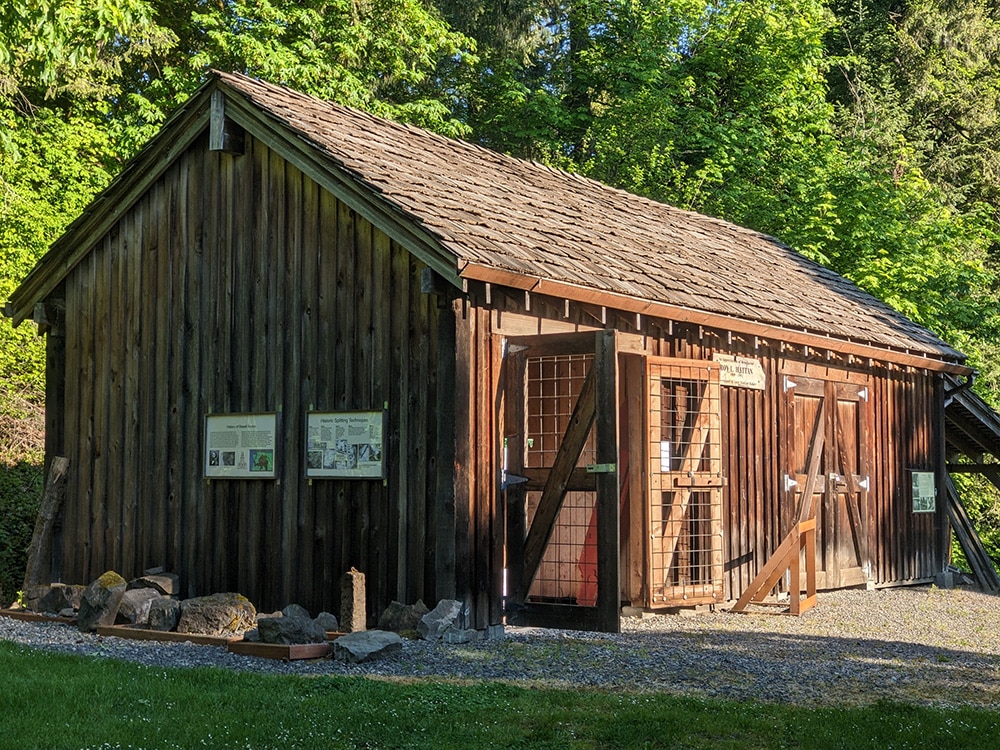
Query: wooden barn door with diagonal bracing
{"x":828,"y":457}
{"x":685,"y":483}
{"x":561,"y":481}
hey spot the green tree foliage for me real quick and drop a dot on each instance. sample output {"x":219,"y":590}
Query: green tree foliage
{"x":866,"y":135}
{"x":58,"y":65}
{"x":84,"y":83}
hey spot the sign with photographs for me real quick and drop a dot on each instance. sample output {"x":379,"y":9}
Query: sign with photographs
{"x":345,"y":444}
{"x":240,"y":446}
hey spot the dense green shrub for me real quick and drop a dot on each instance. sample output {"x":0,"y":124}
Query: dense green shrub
{"x":22,"y":424}
{"x":20,"y":493}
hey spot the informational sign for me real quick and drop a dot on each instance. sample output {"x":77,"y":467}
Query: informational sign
{"x":740,"y":372}
{"x":240,"y":446}
{"x":345,"y":444}
{"x":924,"y":491}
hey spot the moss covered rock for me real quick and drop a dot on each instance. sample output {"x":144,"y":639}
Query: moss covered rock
{"x":217,"y":614}
{"x":100,"y":602}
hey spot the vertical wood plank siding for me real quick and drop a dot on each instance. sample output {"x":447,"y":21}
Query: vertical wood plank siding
{"x":905,"y":404}
{"x":237,"y":284}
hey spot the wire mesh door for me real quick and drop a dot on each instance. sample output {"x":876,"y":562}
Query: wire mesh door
{"x":568,"y":570}
{"x":685,"y":483}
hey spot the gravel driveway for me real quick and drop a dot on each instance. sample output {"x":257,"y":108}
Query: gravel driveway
{"x":919,"y":645}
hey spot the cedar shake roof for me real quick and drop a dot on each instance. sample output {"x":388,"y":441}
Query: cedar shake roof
{"x":473,"y":213}
{"x":494,"y":211}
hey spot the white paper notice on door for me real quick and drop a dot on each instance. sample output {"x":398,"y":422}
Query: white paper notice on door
{"x":664,"y":455}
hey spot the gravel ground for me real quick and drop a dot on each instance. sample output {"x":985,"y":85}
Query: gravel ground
{"x":919,"y":645}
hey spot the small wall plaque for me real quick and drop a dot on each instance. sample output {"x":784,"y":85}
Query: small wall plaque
{"x":740,"y":372}
{"x":924,"y":491}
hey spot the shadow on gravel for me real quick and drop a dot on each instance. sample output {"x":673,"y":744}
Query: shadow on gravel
{"x":750,"y":665}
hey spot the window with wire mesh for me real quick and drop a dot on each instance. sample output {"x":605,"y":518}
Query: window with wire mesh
{"x":685,"y":518}
{"x":568,"y":571}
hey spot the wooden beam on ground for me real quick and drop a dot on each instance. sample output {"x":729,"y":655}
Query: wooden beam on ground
{"x":972,"y":545}
{"x":786,"y":557}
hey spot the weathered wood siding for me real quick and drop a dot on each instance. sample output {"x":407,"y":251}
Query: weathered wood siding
{"x":237,"y":284}
{"x":905,"y":405}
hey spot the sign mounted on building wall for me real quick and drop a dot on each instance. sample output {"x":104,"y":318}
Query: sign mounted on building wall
{"x":240,"y":446}
{"x":740,"y":372}
{"x":924,"y":490}
{"x":345,"y":444}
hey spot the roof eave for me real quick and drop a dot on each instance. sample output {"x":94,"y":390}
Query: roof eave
{"x":311,"y":158}
{"x":587,"y":295}
{"x":107,"y":207}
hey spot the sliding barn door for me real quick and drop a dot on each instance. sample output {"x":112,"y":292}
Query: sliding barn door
{"x":685,"y":483}
{"x":829,"y":473}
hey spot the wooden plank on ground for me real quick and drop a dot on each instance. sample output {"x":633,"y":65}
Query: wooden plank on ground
{"x":41,"y":537}
{"x":972,"y":545}
{"x":28,"y":616}
{"x":166,"y":636}
{"x":291,"y":652}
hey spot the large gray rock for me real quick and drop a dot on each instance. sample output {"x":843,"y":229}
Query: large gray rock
{"x":100,"y":601}
{"x":31,"y":596}
{"x":446,"y":615}
{"x":54,"y":597}
{"x":367,"y":645}
{"x":295,"y":610}
{"x":217,"y":614}
{"x":328,"y":622}
{"x":289,"y":630}
{"x":457,"y":636}
{"x":167,"y":584}
{"x":164,"y":614}
{"x":398,"y":617}
{"x":135,"y":606}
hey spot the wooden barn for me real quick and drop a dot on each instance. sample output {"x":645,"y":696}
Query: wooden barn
{"x":292,"y":338}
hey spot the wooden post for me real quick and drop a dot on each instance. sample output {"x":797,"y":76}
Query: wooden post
{"x":41,"y":538}
{"x":608,"y":510}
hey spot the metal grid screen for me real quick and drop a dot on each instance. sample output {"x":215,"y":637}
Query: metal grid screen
{"x":685,"y":512}
{"x":568,"y":571}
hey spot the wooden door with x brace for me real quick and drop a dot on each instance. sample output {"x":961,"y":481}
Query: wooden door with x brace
{"x":828,"y":469}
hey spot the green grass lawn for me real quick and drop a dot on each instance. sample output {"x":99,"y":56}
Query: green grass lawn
{"x":59,"y":701}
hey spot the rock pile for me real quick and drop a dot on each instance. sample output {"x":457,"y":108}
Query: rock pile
{"x":152,"y":601}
